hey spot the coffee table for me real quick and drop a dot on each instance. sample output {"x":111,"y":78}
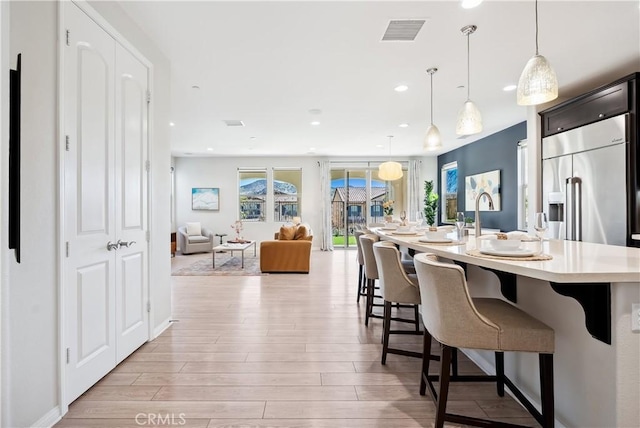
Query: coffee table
{"x":231,"y":247}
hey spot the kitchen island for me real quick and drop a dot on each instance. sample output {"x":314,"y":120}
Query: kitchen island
{"x":585,"y":293}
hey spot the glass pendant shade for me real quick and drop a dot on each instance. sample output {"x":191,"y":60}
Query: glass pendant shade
{"x":390,"y":171}
{"x":432,"y":139}
{"x":469,"y":119}
{"x":538,"y":82}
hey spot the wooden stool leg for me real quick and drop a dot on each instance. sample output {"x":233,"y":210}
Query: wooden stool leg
{"x":386,"y":326}
{"x":369,"y":305}
{"x":454,"y":362}
{"x":416,"y":314}
{"x":500,"y":373}
{"x":359,"y":284}
{"x":546,"y":390}
{"x":426,"y":359}
{"x":441,"y":405}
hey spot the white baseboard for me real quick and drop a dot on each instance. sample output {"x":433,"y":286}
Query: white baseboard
{"x":49,"y":419}
{"x":161,"y":328}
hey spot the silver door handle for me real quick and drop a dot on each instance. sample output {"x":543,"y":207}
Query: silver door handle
{"x":121,"y":243}
{"x":112,"y":246}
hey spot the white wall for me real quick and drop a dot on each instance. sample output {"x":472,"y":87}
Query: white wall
{"x":30,"y":309}
{"x":30,"y":327}
{"x":4,"y":151}
{"x":223,"y":173}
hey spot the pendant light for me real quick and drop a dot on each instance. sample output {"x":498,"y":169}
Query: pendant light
{"x":390,"y":171}
{"x":469,"y":118}
{"x":432,"y":139}
{"x":538,"y":82}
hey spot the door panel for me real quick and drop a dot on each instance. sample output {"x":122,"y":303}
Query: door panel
{"x":555,"y":172}
{"x":603,"y":174}
{"x":93,"y":312}
{"x":132,"y":144}
{"x":93,"y":122}
{"x":132,"y":324}
{"x":132,"y":313}
{"x":89,"y":197}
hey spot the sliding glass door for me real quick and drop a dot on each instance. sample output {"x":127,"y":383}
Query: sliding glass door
{"x":357,"y":196}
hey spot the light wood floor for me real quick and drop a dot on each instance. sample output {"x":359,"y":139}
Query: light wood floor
{"x":275,"y":351}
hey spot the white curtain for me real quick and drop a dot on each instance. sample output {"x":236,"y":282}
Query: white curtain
{"x":326,"y":236}
{"x":414,"y":203}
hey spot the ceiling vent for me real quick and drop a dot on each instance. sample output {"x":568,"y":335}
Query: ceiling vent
{"x":404,"y":30}
{"x":233,"y":122}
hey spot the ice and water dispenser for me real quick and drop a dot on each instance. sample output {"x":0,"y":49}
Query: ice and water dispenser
{"x":555,"y":215}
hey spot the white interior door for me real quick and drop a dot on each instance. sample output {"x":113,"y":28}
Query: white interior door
{"x":89,"y":280}
{"x":105,"y":198}
{"x":132,"y":320}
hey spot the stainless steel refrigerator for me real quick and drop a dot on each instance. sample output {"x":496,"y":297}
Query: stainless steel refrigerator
{"x":584,"y":182}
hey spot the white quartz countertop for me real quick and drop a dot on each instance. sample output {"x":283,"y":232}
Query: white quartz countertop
{"x":572,"y":261}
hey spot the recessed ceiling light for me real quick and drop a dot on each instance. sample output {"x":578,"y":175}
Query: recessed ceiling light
{"x":315,"y":111}
{"x":470,"y":4}
{"x":401,"y":88}
{"x":380,"y":146}
{"x":315,"y":123}
{"x":172,"y":124}
{"x":404,"y":125}
{"x":312,"y":148}
{"x":210,"y":149}
{"x":510,"y":88}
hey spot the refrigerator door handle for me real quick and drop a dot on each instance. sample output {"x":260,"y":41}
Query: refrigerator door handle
{"x":574,"y":209}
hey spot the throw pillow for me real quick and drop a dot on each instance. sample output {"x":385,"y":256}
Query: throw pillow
{"x":194,"y":229}
{"x":301,"y":233}
{"x":287,"y":233}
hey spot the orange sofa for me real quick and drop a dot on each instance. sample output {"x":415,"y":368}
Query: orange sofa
{"x":286,"y":255}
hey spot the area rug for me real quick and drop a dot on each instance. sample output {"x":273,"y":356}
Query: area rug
{"x":225,"y":266}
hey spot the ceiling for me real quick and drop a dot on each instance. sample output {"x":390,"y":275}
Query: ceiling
{"x":271,"y":64}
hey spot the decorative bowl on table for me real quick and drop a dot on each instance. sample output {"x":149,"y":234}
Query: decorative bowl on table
{"x":436,"y":234}
{"x":505,"y":244}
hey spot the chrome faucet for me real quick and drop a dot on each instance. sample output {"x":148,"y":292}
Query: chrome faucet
{"x":478,"y":228}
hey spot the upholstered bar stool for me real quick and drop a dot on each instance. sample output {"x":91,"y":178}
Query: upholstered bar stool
{"x":362,"y":287}
{"x":371,"y":273}
{"x":396,"y":287}
{"x":456,"y":320}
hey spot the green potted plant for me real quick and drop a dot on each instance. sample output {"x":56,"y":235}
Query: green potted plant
{"x":430,"y":203}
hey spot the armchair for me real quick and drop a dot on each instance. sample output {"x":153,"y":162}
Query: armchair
{"x":194,"y":239}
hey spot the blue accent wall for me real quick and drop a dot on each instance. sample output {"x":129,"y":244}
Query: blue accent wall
{"x":497,"y":151}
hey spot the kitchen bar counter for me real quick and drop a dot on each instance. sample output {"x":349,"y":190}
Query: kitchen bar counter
{"x":573,"y":262}
{"x":596,"y":372}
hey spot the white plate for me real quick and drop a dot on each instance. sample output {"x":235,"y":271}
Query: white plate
{"x":403,"y":233}
{"x":436,"y":240}
{"x":520,"y":252}
{"x":388,"y":228}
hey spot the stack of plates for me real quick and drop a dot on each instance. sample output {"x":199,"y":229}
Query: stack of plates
{"x":519,"y":252}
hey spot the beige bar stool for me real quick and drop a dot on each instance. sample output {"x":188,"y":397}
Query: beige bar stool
{"x":371,"y":273}
{"x":362,"y":286}
{"x":456,"y":320}
{"x":396,"y":287}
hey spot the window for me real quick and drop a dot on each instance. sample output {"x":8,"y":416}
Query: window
{"x":252,"y":191}
{"x":287,"y":187}
{"x":523,"y":185}
{"x":449,"y":188}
